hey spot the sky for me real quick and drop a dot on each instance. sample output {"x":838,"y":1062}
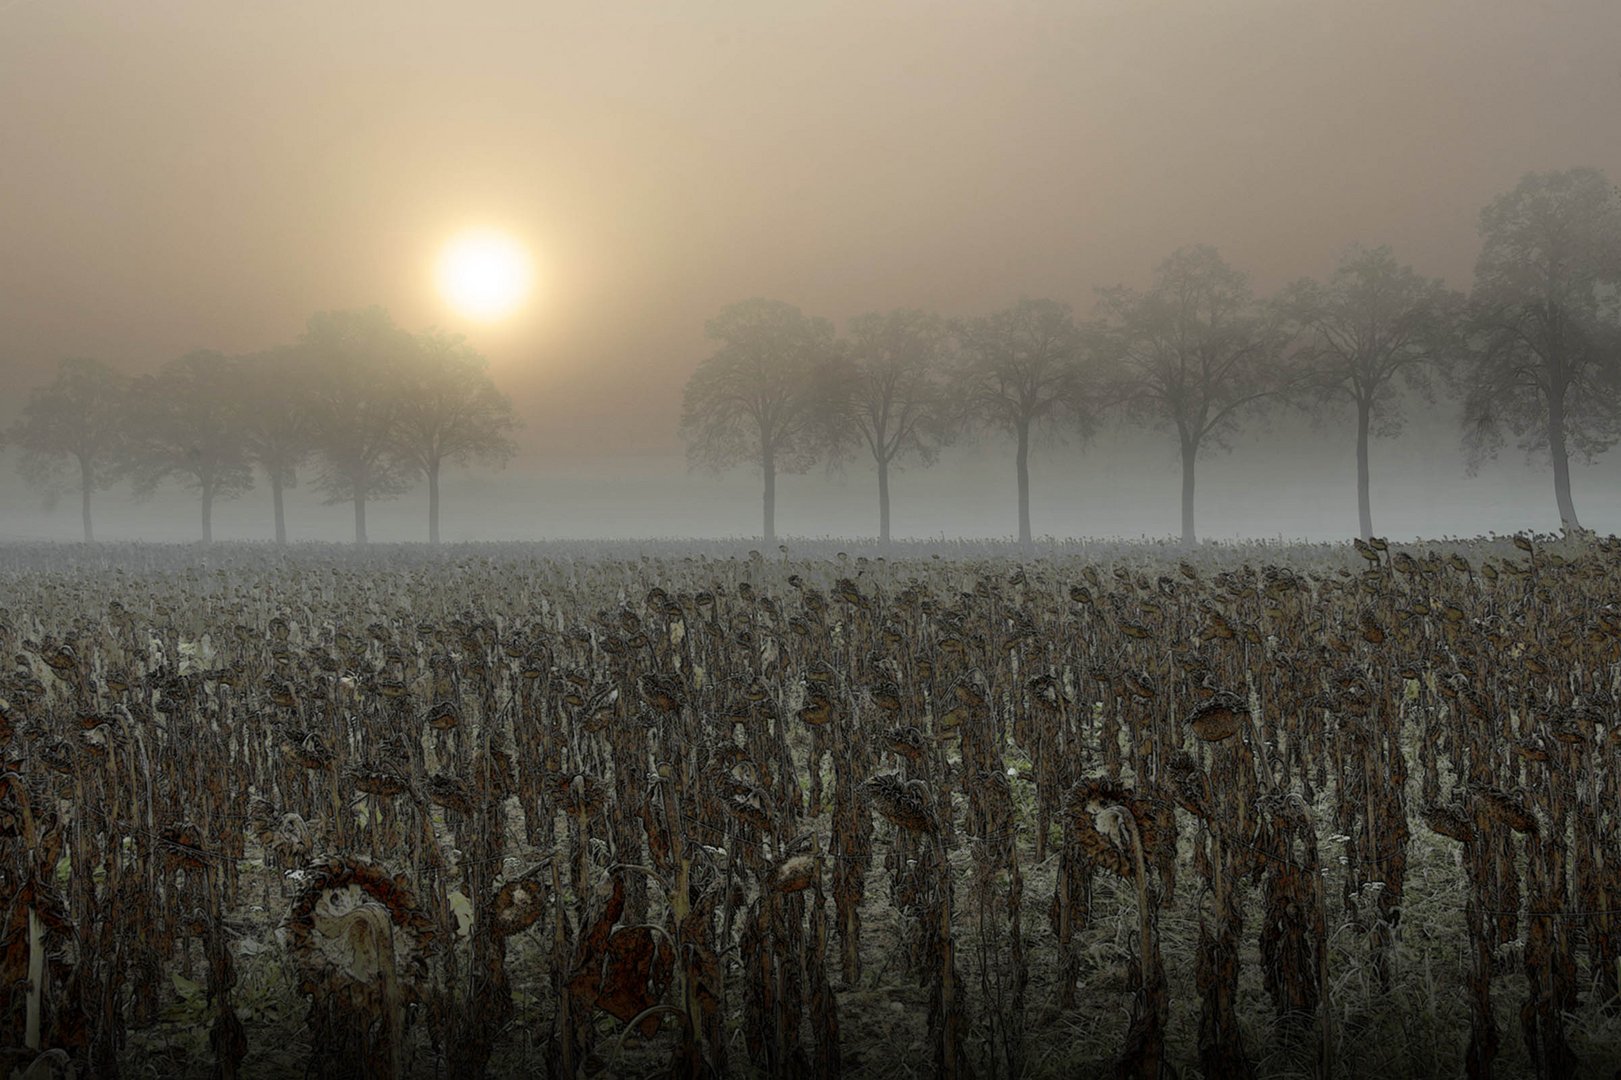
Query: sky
{"x":181,"y":174}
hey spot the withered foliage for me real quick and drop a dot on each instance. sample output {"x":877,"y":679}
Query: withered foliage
{"x":498,"y":811}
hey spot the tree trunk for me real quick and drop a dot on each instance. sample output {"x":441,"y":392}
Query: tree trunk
{"x":433,"y":503}
{"x":883,"y":501}
{"x":281,"y":518}
{"x":86,"y":481}
{"x":1190,"y":452}
{"x":768,"y":465}
{"x":1023,"y":463}
{"x":1561,"y":461}
{"x":208,"y":513}
{"x":360,"y":519}
{"x":1364,"y":508}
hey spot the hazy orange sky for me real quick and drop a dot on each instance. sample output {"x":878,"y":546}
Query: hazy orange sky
{"x":181,"y":173}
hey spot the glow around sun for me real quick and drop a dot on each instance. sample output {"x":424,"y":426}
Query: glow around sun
{"x":484,"y":274}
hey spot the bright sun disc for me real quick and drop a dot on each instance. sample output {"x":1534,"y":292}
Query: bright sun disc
{"x":484,"y":275}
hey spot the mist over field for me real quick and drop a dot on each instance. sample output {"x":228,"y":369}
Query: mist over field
{"x":810,"y":538}
{"x":182,"y":176}
{"x":1294,"y":482}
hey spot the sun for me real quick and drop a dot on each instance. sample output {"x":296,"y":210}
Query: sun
{"x":484,"y":274}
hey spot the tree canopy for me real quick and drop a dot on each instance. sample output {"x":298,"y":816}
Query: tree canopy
{"x":1374,"y":328}
{"x":1194,"y":353}
{"x":80,"y":420}
{"x":889,"y":393}
{"x":1545,"y":315}
{"x":277,"y":430}
{"x":449,"y":411}
{"x":355,"y":402}
{"x":757,"y":398}
{"x":1021,"y":368}
{"x":189,"y":425}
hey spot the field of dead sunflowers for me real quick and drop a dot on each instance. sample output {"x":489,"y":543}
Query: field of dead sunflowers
{"x":525,"y":810}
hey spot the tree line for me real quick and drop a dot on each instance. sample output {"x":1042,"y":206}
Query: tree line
{"x":1533,"y":350}
{"x":367,"y":407}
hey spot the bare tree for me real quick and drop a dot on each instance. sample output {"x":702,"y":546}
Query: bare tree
{"x":1023,"y":368}
{"x":1375,"y":326}
{"x":355,"y":404}
{"x":187,"y":425}
{"x":1544,"y":308}
{"x":450,"y":410}
{"x":1195,"y":351}
{"x":757,"y":397}
{"x":276,"y":420}
{"x":889,"y":393}
{"x":79,"y":418}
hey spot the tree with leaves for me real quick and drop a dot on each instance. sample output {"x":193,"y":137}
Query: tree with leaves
{"x":78,"y":419}
{"x":1374,"y":328}
{"x":757,"y":397}
{"x":1195,"y":353}
{"x":889,"y":394}
{"x":355,"y":403}
{"x":188,"y":426}
{"x":276,"y":419}
{"x":1544,"y":315}
{"x":450,"y":411}
{"x":1024,"y":368}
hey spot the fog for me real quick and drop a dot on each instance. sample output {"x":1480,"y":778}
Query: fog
{"x":1293,"y":482}
{"x":182,"y":175}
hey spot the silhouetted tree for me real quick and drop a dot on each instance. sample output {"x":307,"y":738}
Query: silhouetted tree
{"x":1194,"y":350}
{"x":1544,"y":308}
{"x":449,"y":410}
{"x":757,"y":398}
{"x":276,"y":421}
{"x":79,"y":418}
{"x":355,"y":402}
{"x":1022,"y":368}
{"x":187,"y":425}
{"x":1373,"y":325}
{"x":888,"y":392}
